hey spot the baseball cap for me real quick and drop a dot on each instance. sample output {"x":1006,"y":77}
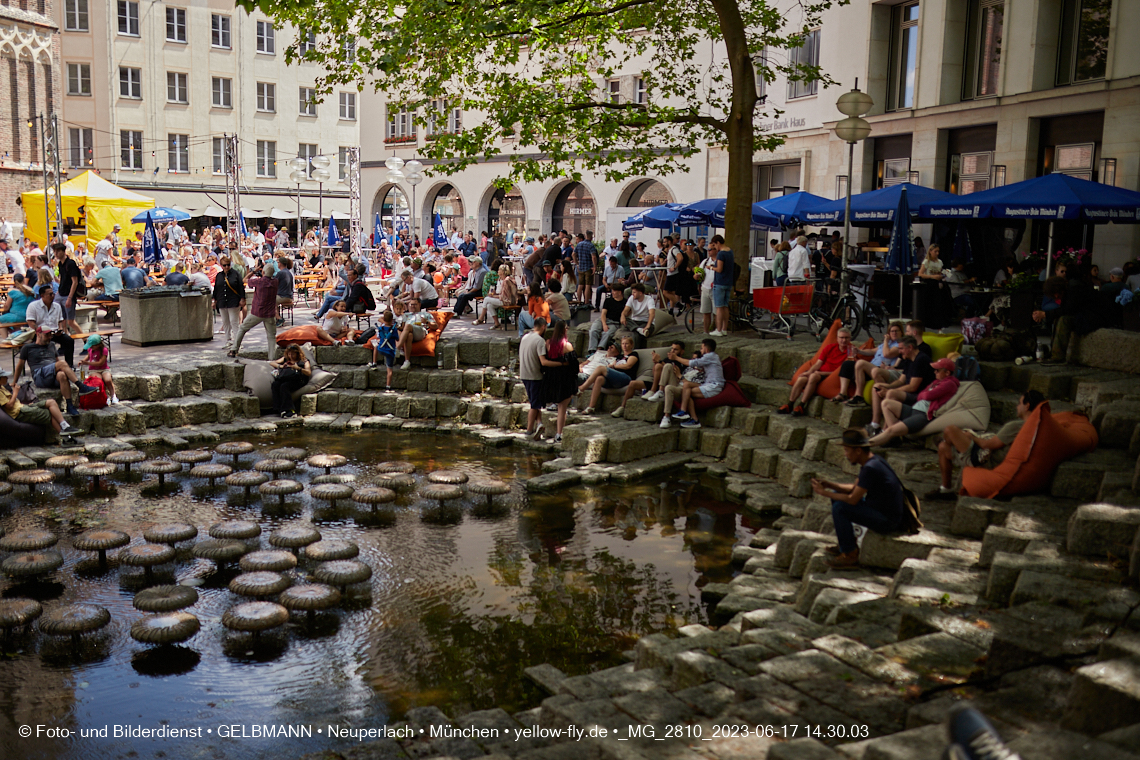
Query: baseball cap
{"x":4,"y":372}
{"x":943,"y":364}
{"x":117,"y":227}
{"x":92,"y":341}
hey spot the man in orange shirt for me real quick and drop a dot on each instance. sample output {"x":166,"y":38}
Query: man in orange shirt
{"x":830,"y":358}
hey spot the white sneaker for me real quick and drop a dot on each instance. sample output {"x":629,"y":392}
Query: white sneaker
{"x":665,"y":424}
{"x":655,"y":396}
{"x":589,"y":410}
{"x":619,"y":412}
{"x":64,"y":425}
{"x":717,"y":334}
{"x":114,"y":399}
{"x":406,"y":365}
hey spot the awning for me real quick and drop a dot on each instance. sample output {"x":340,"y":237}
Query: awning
{"x":211,"y":210}
{"x":276,"y":213}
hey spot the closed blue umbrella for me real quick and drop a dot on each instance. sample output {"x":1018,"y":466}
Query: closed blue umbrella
{"x":438,"y":234}
{"x":378,"y":234}
{"x":900,"y":254}
{"x":160,"y":214}
{"x":334,"y":234}
{"x":150,"y":242}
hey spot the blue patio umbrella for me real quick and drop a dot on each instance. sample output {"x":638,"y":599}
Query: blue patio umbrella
{"x":150,"y":242}
{"x":160,"y":214}
{"x":900,"y":254}
{"x":878,"y":207}
{"x":378,"y":233}
{"x":244,"y":231}
{"x":1052,"y":197}
{"x":334,"y":234}
{"x":711,"y":212}
{"x":438,"y":234}
{"x":789,"y":209}
{"x":663,"y":217}
{"x":962,"y":249}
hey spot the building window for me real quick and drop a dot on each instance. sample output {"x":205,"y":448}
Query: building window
{"x":266,"y":97}
{"x":177,"y":88}
{"x":342,"y":161}
{"x":308,"y":42}
{"x":640,"y":93}
{"x":78,"y":79}
{"x":75,"y":16}
{"x":265,"y":41}
{"x":759,"y":64}
{"x":220,"y":31}
{"x":223,"y":93}
{"x":266,"y":158}
{"x":80,"y":147}
{"x":1076,"y":160}
{"x":307,"y":151}
{"x":178,"y":153}
{"x":614,"y":90}
{"x":804,"y":57}
{"x":401,"y":125}
{"x":1082,"y":45}
{"x":131,"y":148}
{"x":130,"y":82}
{"x":970,"y":172}
{"x":348,"y":106}
{"x":983,"y":49}
{"x":441,"y":109}
{"x":128,"y":17}
{"x":219,"y":144}
{"x":307,"y":101}
{"x":904,"y":56}
{"x":175,"y":24}
{"x":349,"y":49}
{"x":893,"y":171}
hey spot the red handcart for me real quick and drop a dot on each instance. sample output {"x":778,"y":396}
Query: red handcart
{"x":783,"y":303}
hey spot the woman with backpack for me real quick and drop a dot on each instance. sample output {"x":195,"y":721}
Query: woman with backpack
{"x":98,"y":363}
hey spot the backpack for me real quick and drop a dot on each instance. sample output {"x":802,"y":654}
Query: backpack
{"x":911,"y":522}
{"x":96,"y":400}
{"x":967,"y":368}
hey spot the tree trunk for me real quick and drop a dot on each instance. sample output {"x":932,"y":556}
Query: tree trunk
{"x":740,"y":132}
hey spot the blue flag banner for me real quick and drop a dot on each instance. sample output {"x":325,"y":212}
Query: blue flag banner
{"x":439,"y":237}
{"x":378,"y":234}
{"x":334,"y":233}
{"x":150,"y":242}
{"x":244,"y":231}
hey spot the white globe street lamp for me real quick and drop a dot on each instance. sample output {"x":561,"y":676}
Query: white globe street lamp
{"x":321,"y":176}
{"x":851,"y":130}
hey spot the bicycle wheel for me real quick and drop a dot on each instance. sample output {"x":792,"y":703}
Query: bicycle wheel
{"x":691,"y":319}
{"x":852,"y":317}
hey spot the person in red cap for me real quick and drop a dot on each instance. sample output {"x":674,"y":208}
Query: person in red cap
{"x":906,"y":419}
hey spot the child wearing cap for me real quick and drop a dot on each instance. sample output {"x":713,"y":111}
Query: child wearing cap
{"x":98,"y":361}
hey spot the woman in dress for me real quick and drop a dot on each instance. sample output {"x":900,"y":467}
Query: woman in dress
{"x":559,"y":374}
{"x":15,"y":307}
{"x":931,"y":268}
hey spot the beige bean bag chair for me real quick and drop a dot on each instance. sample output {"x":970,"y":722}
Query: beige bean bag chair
{"x":969,"y":409}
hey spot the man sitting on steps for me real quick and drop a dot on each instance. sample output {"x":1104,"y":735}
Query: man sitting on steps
{"x":875,"y":500}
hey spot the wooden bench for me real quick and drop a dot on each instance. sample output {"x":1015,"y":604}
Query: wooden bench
{"x":14,"y":348}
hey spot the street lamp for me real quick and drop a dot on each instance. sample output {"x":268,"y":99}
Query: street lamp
{"x":321,"y":175}
{"x":415,"y":176}
{"x":851,"y":130}
{"x":299,"y":174}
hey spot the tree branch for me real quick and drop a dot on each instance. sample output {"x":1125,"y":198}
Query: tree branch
{"x":707,"y":121}
{"x":571,"y":19}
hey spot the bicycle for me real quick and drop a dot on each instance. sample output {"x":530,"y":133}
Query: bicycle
{"x":690,"y":312}
{"x":827,"y":307}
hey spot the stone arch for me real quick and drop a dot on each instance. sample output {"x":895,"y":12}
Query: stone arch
{"x":553,"y":221}
{"x":636,"y":189}
{"x":378,"y":205}
{"x":427,"y":207}
{"x":512,"y":199}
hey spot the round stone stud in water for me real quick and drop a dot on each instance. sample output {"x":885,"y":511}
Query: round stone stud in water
{"x":374,"y":496}
{"x":447,"y":477}
{"x":17,"y":613}
{"x":28,"y":541}
{"x":275,"y":466}
{"x":441,"y":492}
{"x":192,"y":457}
{"x":65,"y":462}
{"x":342,"y":573}
{"x":74,"y":620}
{"x":169,"y":533}
{"x":309,"y":598}
{"x":165,"y":628}
{"x":219,"y":550}
{"x":159,"y":467}
{"x":288,"y":452}
{"x":32,"y":564}
{"x":337,"y":477}
{"x":331,"y":492}
{"x":234,"y":449}
{"x":327,"y":461}
{"x":102,"y":541}
{"x":329,"y":550}
{"x":211,"y":472}
{"x":31,"y":478}
{"x":489,"y":488}
{"x":281,"y":488}
{"x":247,"y":479}
{"x":294,"y":537}
{"x":126,"y":458}
{"x":273,"y":560}
{"x":396,"y":482}
{"x":235,"y":530}
{"x":405,"y":468}
{"x":165,"y":598}
{"x":147,"y":556}
{"x":93,"y":470}
{"x":261,"y":583}
{"x":255,"y":617}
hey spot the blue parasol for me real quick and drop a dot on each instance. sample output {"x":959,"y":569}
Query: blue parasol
{"x":900,"y":254}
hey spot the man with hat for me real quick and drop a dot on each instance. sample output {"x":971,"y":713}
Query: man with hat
{"x":42,"y":413}
{"x":48,"y":370}
{"x":874,"y":501}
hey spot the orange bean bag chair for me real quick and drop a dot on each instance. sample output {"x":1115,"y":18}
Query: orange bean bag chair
{"x":829,"y":388}
{"x":300,"y":335}
{"x":426,"y":347}
{"x":1044,"y":442}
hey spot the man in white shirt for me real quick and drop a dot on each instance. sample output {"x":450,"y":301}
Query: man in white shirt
{"x":14,"y":257}
{"x":103,"y":251}
{"x":612,"y":248}
{"x":5,"y":229}
{"x":799,"y":261}
{"x":638,"y":315}
{"x":45,"y":314}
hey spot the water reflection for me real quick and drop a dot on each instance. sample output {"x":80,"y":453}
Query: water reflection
{"x":464,"y":597}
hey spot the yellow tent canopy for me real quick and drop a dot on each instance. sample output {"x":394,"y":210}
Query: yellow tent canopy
{"x":103,"y":204}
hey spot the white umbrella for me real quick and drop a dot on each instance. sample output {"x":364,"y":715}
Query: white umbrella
{"x":307,"y":214}
{"x":340,"y":216}
{"x":276,"y":213}
{"x":250,"y":213}
{"x":212,"y":210}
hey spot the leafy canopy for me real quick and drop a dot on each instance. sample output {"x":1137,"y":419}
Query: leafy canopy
{"x":534,"y":72}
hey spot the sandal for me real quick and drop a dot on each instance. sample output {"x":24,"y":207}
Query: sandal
{"x":838,"y":399}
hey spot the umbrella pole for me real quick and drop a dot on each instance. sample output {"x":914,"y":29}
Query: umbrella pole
{"x":847,"y":222}
{"x":1049,"y":255}
{"x":901,"y":278}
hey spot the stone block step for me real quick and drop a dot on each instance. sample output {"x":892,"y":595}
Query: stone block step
{"x":1105,"y":696}
{"x":1103,"y":530}
{"x":891,"y":551}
